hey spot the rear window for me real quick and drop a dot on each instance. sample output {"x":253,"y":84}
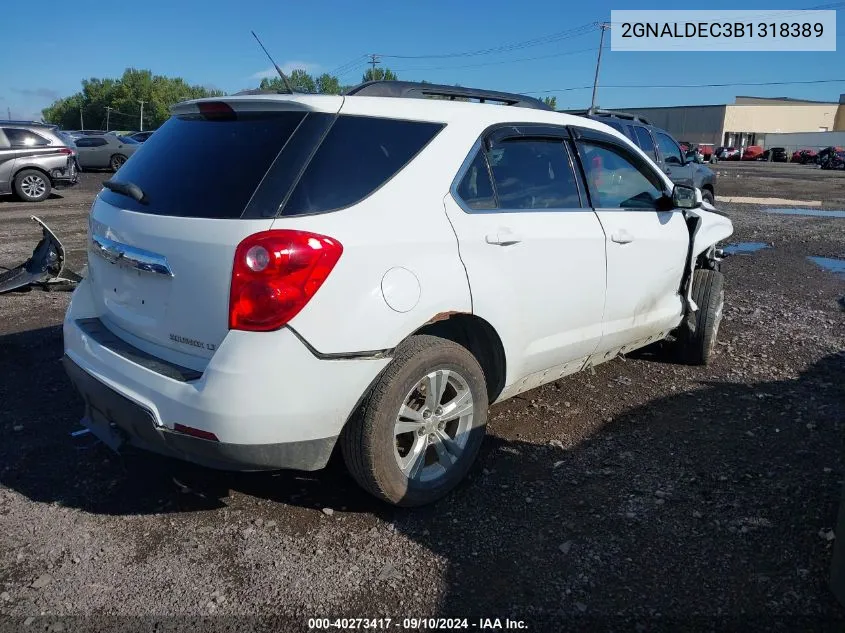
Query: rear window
{"x":358,"y":155}
{"x":193,"y":167}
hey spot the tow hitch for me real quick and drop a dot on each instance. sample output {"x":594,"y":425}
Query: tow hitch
{"x":45,"y":267}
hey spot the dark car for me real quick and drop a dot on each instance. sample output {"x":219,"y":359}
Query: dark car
{"x":664,"y":150}
{"x":826,"y":155}
{"x":141,"y":136}
{"x":835,"y":159}
{"x":775,"y":155}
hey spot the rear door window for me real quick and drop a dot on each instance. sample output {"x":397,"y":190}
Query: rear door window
{"x":358,"y":155}
{"x":204,"y":168}
{"x":476,"y":188}
{"x":19,"y":137}
{"x":533,"y":174}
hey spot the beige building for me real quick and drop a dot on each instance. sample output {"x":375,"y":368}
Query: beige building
{"x":747,"y":120}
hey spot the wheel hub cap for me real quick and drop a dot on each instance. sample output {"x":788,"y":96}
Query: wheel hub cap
{"x":433,"y":425}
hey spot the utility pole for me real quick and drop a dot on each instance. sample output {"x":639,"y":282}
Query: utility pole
{"x":8,"y":113}
{"x":108,"y":111}
{"x":81,"y":123}
{"x":603,"y":26}
{"x":142,"y":115}
{"x":373,"y":61}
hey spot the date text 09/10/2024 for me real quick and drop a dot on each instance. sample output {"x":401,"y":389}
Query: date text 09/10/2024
{"x":415,"y":624}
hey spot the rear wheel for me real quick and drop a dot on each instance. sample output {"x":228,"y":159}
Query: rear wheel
{"x":32,"y":185}
{"x":117,"y":161}
{"x":697,"y":335}
{"x":419,"y":429}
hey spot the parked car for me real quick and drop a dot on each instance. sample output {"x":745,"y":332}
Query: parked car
{"x":707,"y":151}
{"x":804,"y":156}
{"x":104,"y":151}
{"x":660,"y":147}
{"x":34,"y":159}
{"x":730,"y":153}
{"x":775,"y":155}
{"x":752,"y":152}
{"x":258,"y":325}
{"x":141,"y":136}
{"x":825,"y":155}
{"x":835,"y":159}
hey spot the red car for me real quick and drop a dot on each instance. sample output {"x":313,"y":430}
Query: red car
{"x":752,"y":152}
{"x":804,"y":156}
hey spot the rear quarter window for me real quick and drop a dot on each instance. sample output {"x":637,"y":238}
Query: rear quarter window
{"x":358,"y":155}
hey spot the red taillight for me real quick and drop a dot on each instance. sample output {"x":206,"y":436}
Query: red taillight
{"x":275,"y":274}
{"x":216,"y":110}
{"x":66,"y":151}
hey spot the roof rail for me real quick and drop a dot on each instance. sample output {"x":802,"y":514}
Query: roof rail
{"x":611,"y":113}
{"x":38,"y":123}
{"x":417,"y":90}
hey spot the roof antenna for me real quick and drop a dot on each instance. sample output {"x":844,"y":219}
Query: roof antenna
{"x":278,"y":70}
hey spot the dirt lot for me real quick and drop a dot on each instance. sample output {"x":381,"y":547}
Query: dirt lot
{"x":642,"y":496}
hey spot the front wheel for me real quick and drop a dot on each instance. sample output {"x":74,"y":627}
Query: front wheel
{"x":117,"y":161}
{"x":32,"y":185}
{"x":708,"y":196}
{"x":696,"y":338}
{"x":418,"y":431}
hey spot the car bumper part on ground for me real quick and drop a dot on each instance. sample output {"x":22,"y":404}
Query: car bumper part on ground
{"x":267,"y":399}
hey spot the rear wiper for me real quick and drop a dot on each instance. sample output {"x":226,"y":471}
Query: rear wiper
{"x":128,"y":189}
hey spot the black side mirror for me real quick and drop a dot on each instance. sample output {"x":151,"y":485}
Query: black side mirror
{"x":686,"y":197}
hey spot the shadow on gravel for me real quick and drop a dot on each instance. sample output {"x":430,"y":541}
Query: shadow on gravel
{"x":710,"y":506}
{"x":12,"y":198}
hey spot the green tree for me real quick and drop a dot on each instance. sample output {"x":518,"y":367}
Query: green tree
{"x":379,"y":74}
{"x":301,"y":81}
{"x":328,"y":84}
{"x":123,"y":97}
{"x":551,"y":102}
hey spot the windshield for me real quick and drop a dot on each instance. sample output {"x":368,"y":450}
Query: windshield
{"x":128,"y":140}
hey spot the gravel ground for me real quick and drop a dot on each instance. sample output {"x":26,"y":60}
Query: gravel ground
{"x":643,"y":495}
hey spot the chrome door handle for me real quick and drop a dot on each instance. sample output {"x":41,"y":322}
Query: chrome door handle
{"x":502,"y":238}
{"x":622,"y":237}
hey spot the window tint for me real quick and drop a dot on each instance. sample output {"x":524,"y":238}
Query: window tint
{"x":645,"y":141}
{"x":533,"y":174}
{"x":616,"y":181}
{"x":193,"y":167}
{"x":97,"y":142}
{"x":358,"y":155}
{"x":24,"y":138}
{"x":475,"y":189}
{"x":669,"y":148}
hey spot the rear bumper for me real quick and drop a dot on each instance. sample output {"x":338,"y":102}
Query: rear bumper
{"x":119,"y":422}
{"x":67,"y":177}
{"x":266,"y":398}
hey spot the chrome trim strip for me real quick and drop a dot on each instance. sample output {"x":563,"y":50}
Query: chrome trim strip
{"x":137,"y":258}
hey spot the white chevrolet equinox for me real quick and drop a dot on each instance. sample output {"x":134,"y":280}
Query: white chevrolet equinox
{"x":272,"y":276}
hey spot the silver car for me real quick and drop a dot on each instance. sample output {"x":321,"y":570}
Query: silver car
{"x":104,"y":151}
{"x":34,"y":159}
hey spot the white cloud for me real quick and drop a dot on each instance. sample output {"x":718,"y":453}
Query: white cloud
{"x":287,"y":68}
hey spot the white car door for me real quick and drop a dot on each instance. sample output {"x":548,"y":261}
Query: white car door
{"x":533,"y":250}
{"x":647,"y":241}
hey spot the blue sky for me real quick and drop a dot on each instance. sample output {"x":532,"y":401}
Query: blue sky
{"x":209,"y":43}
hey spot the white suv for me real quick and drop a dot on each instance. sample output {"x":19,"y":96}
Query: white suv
{"x":272,"y":276}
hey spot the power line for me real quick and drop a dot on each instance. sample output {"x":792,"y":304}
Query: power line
{"x":344,"y":67}
{"x":592,"y":49}
{"x":675,"y":86}
{"x":537,"y":41}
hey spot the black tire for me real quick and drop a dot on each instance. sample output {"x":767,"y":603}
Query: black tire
{"x":697,"y":335}
{"x":708,"y":196}
{"x":369,"y":441}
{"x":117,"y":161}
{"x":32,"y":185}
